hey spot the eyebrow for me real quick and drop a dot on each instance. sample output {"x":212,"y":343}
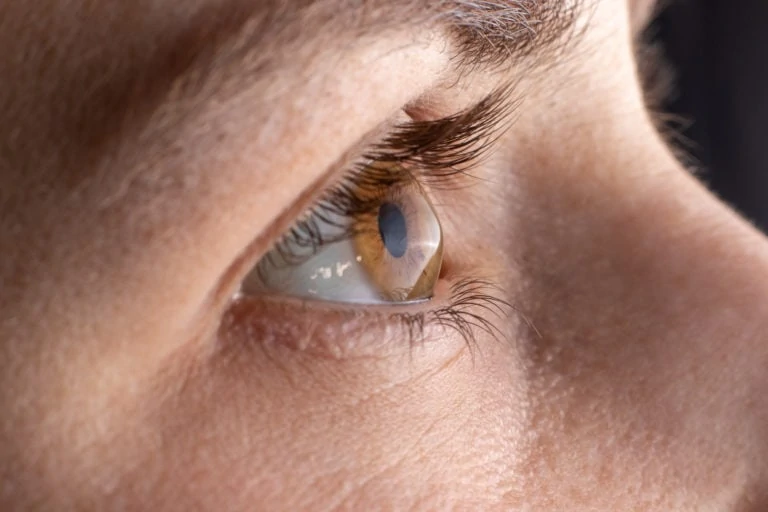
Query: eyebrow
{"x":261,"y":37}
{"x":501,"y":32}
{"x":485,"y":32}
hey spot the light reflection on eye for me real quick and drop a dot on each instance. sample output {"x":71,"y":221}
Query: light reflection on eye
{"x":390,"y":253}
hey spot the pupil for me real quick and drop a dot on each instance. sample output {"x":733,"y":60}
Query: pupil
{"x":392,"y":229}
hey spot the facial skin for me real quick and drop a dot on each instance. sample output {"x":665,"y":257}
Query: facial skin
{"x":143,"y":174}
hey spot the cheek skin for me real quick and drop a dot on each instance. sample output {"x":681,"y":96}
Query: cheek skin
{"x":290,"y":430}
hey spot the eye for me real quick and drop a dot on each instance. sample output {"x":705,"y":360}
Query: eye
{"x":376,"y":239}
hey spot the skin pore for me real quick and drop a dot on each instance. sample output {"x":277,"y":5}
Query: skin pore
{"x":151,"y":153}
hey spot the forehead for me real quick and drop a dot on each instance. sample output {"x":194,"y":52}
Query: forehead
{"x":483,"y":31}
{"x":128,"y":54}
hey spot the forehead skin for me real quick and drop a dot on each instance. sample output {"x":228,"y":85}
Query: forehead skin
{"x":141,"y":144}
{"x":145,"y":55}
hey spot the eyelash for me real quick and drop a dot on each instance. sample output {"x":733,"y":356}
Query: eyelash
{"x":429,"y":154}
{"x":469,"y":298}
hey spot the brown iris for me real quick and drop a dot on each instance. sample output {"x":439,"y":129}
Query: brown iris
{"x":399,"y":244}
{"x":389,"y":250}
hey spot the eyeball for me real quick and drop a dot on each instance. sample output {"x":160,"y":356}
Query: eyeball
{"x":390,"y":253}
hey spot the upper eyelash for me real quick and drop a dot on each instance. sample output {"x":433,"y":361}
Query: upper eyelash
{"x":428,"y":153}
{"x":442,"y":148}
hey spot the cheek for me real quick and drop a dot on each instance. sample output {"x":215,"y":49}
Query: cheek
{"x":261,"y":423}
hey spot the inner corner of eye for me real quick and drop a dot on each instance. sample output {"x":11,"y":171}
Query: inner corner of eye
{"x":391,"y":254}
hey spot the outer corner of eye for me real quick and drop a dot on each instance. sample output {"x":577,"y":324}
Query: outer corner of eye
{"x":389,"y":252}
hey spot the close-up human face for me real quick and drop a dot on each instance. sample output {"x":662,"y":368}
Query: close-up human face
{"x":364,"y":255}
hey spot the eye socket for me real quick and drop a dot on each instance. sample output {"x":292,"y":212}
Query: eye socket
{"x":387,"y":248}
{"x":375,"y":238}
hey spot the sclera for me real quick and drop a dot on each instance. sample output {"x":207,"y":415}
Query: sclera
{"x":356,"y":267}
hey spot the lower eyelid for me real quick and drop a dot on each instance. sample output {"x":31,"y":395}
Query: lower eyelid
{"x":326,"y":328}
{"x":344,"y":331}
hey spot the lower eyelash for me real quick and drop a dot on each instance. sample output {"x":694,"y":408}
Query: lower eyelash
{"x":473,"y":308}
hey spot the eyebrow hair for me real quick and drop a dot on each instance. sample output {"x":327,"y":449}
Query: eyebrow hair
{"x":261,"y":37}
{"x":499,"y":32}
{"x":484,"y":32}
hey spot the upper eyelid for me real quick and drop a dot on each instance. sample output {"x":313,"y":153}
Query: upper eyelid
{"x":439,"y":148}
{"x":435,"y":148}
{"x":429,"y":152}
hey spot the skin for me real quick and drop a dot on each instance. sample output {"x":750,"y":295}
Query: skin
{"x":631,"y":375}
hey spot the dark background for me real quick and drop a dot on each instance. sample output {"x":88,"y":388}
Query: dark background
{"x":719,"y":51}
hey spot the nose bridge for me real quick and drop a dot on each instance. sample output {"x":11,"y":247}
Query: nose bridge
{"x":704,"y":274}
{"x":700,"y":273}
{"x":739,"y":279}
{"x":651,"y":298}
{"x":736,"y":289}
{"x":718,"y":264}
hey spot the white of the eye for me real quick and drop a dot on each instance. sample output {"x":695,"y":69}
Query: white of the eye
{"x":335,"y":273}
